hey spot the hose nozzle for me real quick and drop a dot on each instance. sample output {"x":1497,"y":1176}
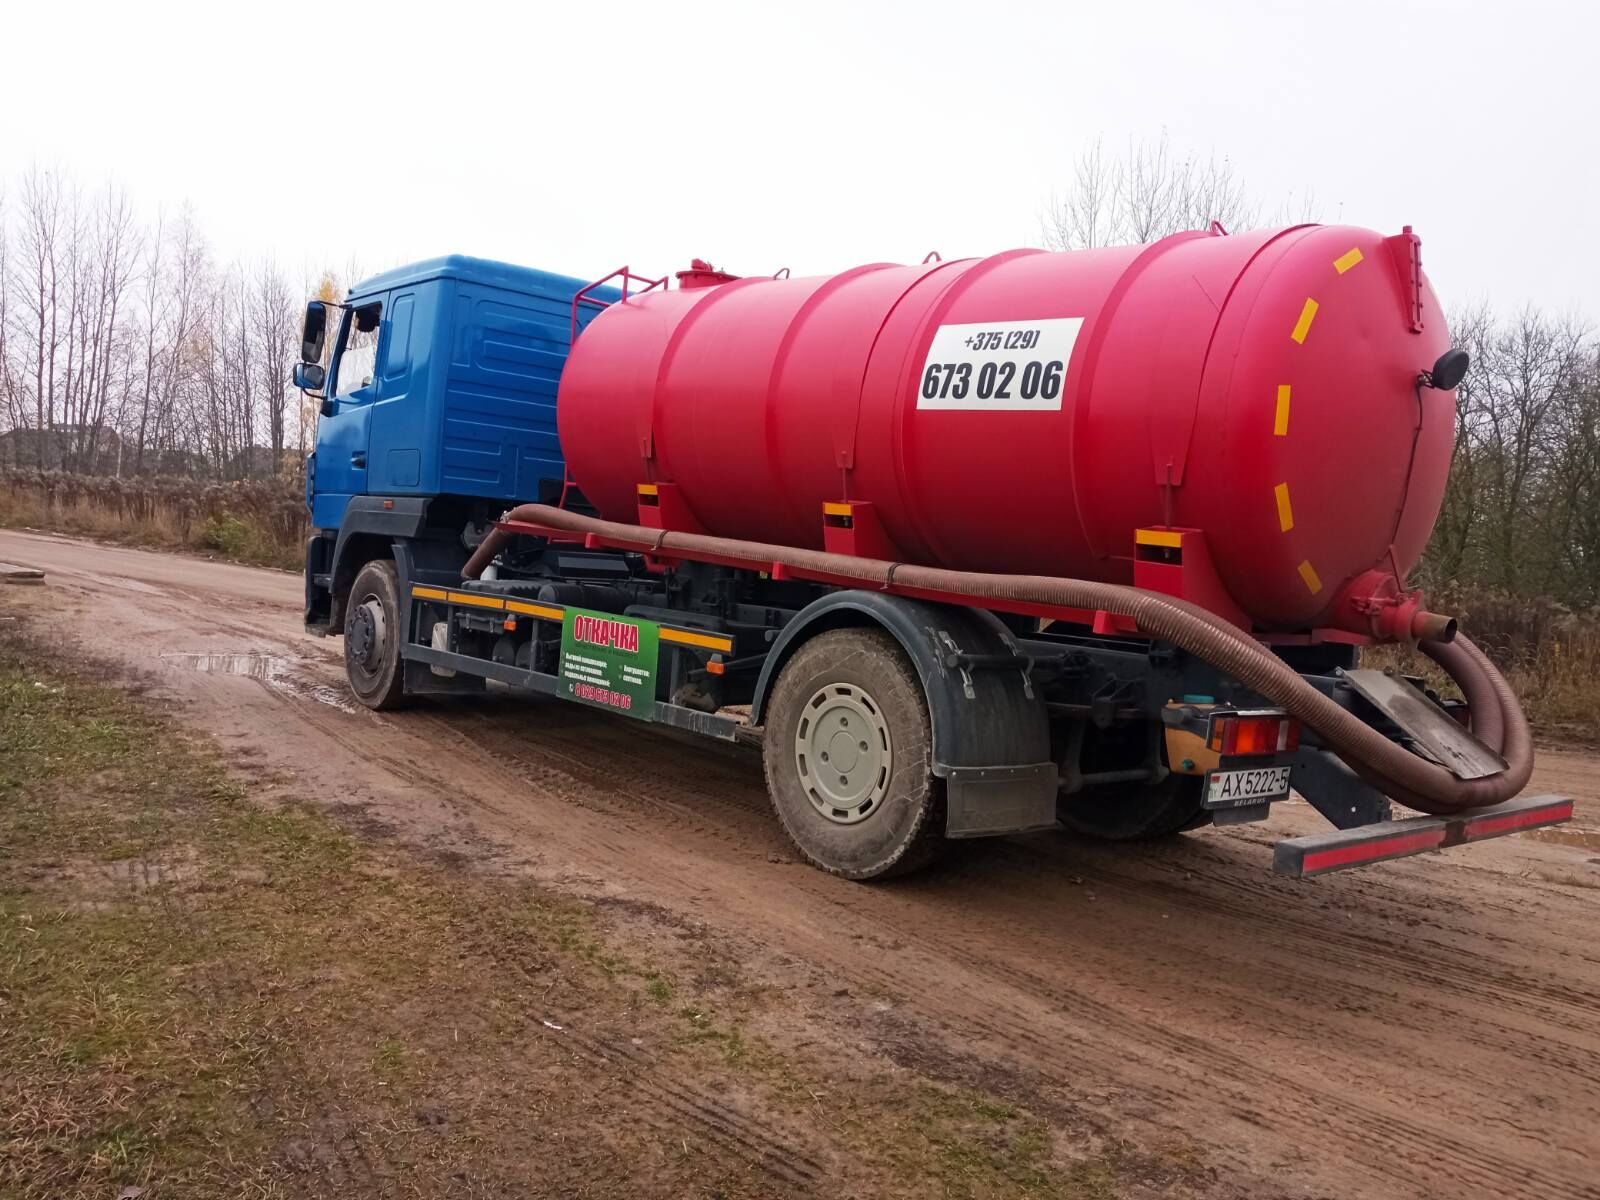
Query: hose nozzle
{"x":1376,"y":605}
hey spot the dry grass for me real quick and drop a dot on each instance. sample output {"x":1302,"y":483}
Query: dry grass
{"x":262,"y":522}
{"x":204,"y":996}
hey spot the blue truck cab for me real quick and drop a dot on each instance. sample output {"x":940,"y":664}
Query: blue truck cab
{"x":438,"y":411}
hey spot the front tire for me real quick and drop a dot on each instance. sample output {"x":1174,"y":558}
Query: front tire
{"x":848,"y":754}
{"x":372,"y":636}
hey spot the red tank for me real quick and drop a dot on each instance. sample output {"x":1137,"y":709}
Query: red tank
{"x":1029,"y":412}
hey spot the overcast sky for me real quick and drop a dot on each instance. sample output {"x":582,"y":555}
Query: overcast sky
{"x":577,"y":137}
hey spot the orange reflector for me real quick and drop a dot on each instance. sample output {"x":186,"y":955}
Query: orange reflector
{"x":716,"y":667}
{"x":509,"y":625}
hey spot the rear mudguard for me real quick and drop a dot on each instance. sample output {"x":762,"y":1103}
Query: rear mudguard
{"x":991,"y":735}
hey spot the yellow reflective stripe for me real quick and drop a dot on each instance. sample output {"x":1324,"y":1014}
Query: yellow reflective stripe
{"x":1157,"y":537}
{"x":1285,"y":513}
{"x":547,"y":612}
{"x":1308,"y":313}
{"x":1280,"y":419}
{"x":476,"y":601}
{"x":1347,"y":260}
{"x":1308,"y":573}
{"x":705,"y":641}
{"x":536,"y":610}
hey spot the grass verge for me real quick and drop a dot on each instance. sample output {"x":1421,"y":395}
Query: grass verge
{"x":202,"y":995}
{"x":260,"y":523}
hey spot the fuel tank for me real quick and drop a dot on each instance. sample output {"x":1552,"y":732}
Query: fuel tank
{"x":1027,"y":413}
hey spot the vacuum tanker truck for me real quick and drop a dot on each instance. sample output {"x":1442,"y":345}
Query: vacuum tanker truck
{"x":1085,"y":540}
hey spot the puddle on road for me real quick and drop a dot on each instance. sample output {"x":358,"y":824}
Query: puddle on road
{"x":279,"y":672}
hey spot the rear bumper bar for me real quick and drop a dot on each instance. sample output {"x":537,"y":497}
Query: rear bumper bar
{"x":1323,"y":852}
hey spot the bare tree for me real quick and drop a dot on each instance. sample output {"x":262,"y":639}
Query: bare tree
{"x":274,"y":319}
{"x":1519,"y":510}
{"x":1147,"y":193}
{"x":41,"y":221}
{"x":13,"y":414}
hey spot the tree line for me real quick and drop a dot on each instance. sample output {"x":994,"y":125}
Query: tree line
{"x":1522,"y":510}
{"x":128,"y":348}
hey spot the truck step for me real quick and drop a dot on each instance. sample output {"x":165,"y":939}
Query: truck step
{"x":1321,"y":853}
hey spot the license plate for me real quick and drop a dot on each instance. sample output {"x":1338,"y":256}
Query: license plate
{"x":1258,"y":785}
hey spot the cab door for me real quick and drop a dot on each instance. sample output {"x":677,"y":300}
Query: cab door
{"x":344,"y":430}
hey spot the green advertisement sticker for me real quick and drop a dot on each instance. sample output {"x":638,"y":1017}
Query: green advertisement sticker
{"x":610,"y":662}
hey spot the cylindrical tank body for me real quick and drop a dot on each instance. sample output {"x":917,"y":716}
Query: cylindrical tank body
{"x":1028,"y":412}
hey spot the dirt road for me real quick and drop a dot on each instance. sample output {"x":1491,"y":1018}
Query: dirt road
{"x":1425,"y":1028}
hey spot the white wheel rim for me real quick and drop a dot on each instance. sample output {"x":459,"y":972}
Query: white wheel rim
{"x":843,"y":754}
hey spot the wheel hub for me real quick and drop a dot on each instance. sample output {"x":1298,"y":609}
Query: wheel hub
{"x":842,"y":753}
{"x":365,"y":636}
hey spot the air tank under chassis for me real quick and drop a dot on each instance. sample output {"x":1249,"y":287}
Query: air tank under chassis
{"x":1029,"y":412}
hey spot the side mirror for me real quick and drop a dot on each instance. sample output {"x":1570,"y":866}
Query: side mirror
{"x":313,"y":332}
{"x":310,"y":376}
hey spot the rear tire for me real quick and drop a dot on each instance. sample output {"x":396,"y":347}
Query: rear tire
{"x":1128,"y":812}
{"x":372,"y":634}
{"x":848,"y":754}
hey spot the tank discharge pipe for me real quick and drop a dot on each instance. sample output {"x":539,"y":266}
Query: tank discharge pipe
{"x":1497,"y":718}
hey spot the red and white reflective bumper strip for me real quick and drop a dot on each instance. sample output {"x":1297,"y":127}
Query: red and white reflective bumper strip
{"x":1323,"y":852}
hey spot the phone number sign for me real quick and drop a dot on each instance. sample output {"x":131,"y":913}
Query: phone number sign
{"x":610,"y":662}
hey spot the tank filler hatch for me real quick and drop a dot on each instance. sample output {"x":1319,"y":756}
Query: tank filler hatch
{"x":701,"y":274}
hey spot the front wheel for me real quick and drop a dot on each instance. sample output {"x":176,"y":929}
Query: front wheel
{"x":848,"y":754}
{"x":372,"y":637}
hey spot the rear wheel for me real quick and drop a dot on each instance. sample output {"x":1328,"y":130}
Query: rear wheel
{"x":1126,"y":812}
{"x":372,"y":637}
{"x":848,"y":755}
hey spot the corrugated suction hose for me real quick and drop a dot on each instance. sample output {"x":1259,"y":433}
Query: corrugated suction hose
{"x":1497,"y":718}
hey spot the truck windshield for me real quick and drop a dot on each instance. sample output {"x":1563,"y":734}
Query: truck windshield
{"x":358,"y":352}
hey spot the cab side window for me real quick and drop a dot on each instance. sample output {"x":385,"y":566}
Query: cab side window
{"x":358,"y":350}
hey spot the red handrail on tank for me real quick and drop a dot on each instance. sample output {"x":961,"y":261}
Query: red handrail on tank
{"x":628,"y":277}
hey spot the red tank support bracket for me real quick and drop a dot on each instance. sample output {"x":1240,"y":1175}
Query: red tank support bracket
{"x":1405,"y":250}
{"x":852,"y":527}
{"x":661,"y":506}
{"x":1178,"y":563}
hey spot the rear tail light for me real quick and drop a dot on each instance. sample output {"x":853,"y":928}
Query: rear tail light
{"x":1243,"y":734}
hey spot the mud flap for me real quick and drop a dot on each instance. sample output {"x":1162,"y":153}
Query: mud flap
{"x":984,"y":801}
{"x":991,"y":734}
{"x":420,"y":681}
